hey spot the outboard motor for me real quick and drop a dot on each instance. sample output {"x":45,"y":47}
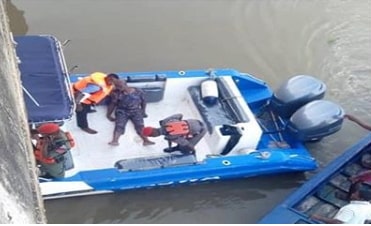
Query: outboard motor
{"x":295,"y":93}
{"x":209,"y":90}
{"x":316,"y":120}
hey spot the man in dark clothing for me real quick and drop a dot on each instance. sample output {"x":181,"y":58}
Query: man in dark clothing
{"x":129,"y":104}
{"x":185,"y":133}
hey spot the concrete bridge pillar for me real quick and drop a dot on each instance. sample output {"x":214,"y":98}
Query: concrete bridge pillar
{"x":20,"y":198}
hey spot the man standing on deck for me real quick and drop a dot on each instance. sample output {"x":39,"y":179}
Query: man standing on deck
{"x":89,"y":91}
{"x":185,"y":133}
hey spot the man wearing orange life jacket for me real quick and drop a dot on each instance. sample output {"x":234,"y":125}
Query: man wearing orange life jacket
{"x":89,"y":91}
{"x":51,"y":145}
{"x":185,"y":133}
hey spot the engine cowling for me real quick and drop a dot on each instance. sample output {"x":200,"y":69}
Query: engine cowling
{"x":295,"y":93}
{"x":315,"y":120}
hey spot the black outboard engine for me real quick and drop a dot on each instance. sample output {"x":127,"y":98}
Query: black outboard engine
{"x":295,"y":93}
{"x":316,"y":120}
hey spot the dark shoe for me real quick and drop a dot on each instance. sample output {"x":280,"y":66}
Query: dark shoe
{"x":92,"y":111}
{"x":168,"y":150}
{"x":88,"y":130}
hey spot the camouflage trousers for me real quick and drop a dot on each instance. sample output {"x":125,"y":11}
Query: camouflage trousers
{"x":123,"y":116}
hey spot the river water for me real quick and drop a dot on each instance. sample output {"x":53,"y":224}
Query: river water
{"x":272,"y":39}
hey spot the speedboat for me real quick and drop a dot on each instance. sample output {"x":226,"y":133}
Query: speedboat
{"x":251,"y":130}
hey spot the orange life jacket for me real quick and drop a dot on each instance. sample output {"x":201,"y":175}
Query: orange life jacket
{"x":97,"y":78}
{"x":177,"y":128}
{"x":70,"y":139}
{"x":39,"y":154}
{"x":69,"y":143}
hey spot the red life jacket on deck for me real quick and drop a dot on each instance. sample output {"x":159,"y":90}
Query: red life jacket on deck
{"x":177,"y":128}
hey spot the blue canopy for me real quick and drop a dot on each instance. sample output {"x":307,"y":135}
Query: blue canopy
{"x":44,"y":78}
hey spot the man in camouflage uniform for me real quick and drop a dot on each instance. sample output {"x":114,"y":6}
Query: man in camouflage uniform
{"x":185,"y":133}
{"x":128,"y":104}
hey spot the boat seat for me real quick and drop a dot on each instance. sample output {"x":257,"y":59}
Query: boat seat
{"x":328,"y":194}
{"x":155,"y":162}
{"x":341,"y":182}
{"x":352,"y":169}
{"x":153,"y":86}
{"x":226,"y":111}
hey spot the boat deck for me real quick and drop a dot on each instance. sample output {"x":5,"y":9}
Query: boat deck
{"x":92,"y":151}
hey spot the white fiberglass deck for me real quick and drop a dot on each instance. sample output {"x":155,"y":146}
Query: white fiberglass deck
{"x":92,"y":151}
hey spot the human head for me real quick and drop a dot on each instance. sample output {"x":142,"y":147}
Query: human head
{"x":48,"y":128}
{"x":111,"y":78}
{"x":120,"y":84}
{"x":151,"y":132}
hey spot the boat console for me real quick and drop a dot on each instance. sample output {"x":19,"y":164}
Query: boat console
{"x":230,"y":122}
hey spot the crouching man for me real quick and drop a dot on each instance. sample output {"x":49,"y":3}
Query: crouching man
{"x":51,"y":145}
{"x":185,"y":133}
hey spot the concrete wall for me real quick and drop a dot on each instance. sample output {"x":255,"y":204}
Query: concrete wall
{"x":20,"y":200}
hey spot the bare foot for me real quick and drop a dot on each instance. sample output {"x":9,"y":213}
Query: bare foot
{"x":148,"y":142}
{"x":114,"y":143}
